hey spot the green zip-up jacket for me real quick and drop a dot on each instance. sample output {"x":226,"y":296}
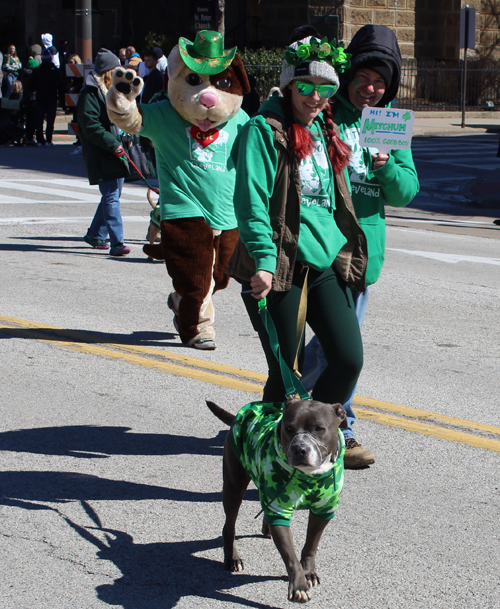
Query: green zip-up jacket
{"x":394,"y":184}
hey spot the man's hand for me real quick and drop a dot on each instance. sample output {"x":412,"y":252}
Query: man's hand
{"x":261,"y":284}
{"x":379,"y":160}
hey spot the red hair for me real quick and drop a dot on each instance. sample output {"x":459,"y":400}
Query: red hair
{"x":302,"y":143}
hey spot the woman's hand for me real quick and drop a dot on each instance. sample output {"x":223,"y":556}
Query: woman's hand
{"x":261,"y":284}
{"x":379,"y":160}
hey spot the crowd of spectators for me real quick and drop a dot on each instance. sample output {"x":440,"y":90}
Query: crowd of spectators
{"x":33,"y":88}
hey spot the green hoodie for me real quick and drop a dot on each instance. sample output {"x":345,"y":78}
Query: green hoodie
{"x":320,"y":239}
{"x":394,"y":184}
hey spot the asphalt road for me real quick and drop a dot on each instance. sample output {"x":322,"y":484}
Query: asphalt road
{"x":110,"y":463}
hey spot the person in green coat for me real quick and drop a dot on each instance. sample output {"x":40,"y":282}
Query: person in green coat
{"x":376,"y":180}
{"x":101,"y":150}
{"x":300,"y":243}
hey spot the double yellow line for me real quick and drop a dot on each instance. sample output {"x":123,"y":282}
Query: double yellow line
{"x":384,"y":413}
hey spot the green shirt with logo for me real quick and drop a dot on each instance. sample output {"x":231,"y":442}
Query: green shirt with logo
{"x":195,"y":181}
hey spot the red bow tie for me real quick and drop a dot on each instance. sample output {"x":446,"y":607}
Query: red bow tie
{"x":204,"y":138}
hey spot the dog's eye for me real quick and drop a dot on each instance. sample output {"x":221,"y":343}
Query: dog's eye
{"x":289,"y":428}
{"x":223,"y":83}
{"x":193,"y":79}
{"x":319,"y":429}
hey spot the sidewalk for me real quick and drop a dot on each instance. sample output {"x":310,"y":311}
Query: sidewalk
{"x":449,"y":124}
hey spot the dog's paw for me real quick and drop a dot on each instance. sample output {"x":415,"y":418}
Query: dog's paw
{"x":126,"y":87}
{"x":309,"y":567}
{"x":235,"y":565}
{"x":298,"y":589}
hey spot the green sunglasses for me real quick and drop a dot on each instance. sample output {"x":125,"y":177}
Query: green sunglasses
{"x":307,"y":88}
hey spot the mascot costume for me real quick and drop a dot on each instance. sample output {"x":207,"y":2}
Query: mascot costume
{"x":193,"y":132}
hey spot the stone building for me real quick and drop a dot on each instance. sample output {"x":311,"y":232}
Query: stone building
{"x":426,"y":29}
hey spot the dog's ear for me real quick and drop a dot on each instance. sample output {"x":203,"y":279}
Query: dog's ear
{"x":339,"y":411}
{"x":291,"y":399}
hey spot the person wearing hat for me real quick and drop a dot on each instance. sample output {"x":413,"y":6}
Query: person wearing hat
{"x":101,"y":149}
{"x":45,"y":81}
{"x":298,"y":232}
{"x":376,"y":180}
{"x":193,"y":132}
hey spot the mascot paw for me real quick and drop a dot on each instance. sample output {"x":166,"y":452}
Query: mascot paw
{"x":126,"y":87}
{"x":154,"y":251}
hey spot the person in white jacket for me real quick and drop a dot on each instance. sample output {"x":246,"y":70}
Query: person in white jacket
{"x":47,"y":44}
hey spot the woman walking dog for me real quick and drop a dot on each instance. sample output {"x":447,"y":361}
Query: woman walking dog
{"x":299,"y":237}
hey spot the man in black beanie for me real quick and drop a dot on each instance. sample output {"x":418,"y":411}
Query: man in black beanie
{"x":376,"y":180}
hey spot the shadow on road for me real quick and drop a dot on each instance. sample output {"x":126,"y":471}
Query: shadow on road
{"x":153,"y":575}
{"x":57,"y":160}
{"x":89,"y":442}
{"x":136,"y":338}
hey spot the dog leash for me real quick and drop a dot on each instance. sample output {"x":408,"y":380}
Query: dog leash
{"x":293,"y":386}
{"x":125,"y":158}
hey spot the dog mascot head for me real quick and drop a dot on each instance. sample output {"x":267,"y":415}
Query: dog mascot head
{"x":206,"y":83}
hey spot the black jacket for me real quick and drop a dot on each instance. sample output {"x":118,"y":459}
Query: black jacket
{"x":374,"y":42}
{"x":46,"y":82}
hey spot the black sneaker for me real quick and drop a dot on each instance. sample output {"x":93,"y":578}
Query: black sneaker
{"x":97,"y":244}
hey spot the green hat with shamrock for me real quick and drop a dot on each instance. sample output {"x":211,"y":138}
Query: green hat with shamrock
{"x":206,"y":55}
{"x":313,"y":57}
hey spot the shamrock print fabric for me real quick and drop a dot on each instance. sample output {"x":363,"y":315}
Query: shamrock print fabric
{"x":282,"y":488}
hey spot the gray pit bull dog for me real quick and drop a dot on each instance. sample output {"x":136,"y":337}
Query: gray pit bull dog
{"x":294,"y":454}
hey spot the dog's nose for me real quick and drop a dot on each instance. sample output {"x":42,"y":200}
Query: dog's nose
{"x":209,"y":100}
{"x":299,"y":450}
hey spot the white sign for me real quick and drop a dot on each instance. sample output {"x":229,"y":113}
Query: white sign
{"x":386,"y":129}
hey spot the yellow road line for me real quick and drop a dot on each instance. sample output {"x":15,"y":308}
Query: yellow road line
{"x":415,"y":413}
{"x":81,"y":336}
{"x":429,"y":430}
{"x":191,"y":369}
{"x":147,"y":362}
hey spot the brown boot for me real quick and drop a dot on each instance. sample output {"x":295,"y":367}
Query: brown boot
{"x":356,"y":456}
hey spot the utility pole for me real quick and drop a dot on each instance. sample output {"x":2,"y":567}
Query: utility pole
{"x":467,"y":41}
{"x":220,"y":17}
{"x":83,"y":30}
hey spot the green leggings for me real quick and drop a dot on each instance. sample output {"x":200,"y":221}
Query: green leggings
{"x":332,"y":317}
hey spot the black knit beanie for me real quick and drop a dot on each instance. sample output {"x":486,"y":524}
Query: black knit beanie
{"x":384,"y":68}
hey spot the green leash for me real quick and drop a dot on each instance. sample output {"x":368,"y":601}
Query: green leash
{"x":292,"y":384}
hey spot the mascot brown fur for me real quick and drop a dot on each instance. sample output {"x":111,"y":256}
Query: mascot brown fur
{"x":193,"y":132}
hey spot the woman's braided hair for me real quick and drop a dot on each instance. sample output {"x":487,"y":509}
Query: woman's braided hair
{"x":302,"y":143}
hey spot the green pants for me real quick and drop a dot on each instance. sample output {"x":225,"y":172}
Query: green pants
{"x":332,"y":317}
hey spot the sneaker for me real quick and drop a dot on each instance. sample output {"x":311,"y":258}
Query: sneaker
{"x":119,"y":250}
{"x":30,"y":143}
{"x":77,"y":150}
{"x":40,"y":144}
{"x":356,"y":456}
{"x":205,"y":344}
{"x":49,"y":144}
{"x":97,"y":244}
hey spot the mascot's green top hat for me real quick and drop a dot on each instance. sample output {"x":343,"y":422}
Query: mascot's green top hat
{"x":206,"y":55}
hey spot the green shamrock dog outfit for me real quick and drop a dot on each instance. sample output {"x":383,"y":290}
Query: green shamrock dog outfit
{"x":282,"y":488}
